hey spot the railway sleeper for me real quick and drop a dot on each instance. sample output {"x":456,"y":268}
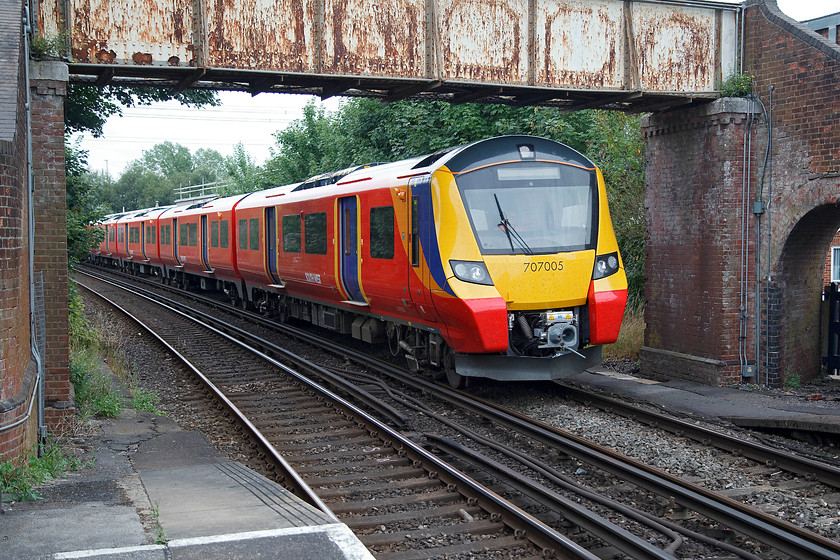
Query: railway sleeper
{"x":483,"y":546}
{"x":386,"y":475}
{"x":349,"y":493}
{"x":324,"y":468}
{"x":436,"y":497}
{"x":436,"y":515}
{"x":380,"y":540}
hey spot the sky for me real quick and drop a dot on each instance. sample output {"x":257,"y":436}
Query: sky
{"x":251,"y":120}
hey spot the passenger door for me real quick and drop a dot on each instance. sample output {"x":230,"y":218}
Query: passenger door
{"x":421,"y":220}
{"x":348,"y":258}
{"x":271,"y":245}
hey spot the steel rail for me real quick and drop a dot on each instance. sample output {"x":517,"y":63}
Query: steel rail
{"x":292,"y":478}
{"x":790,"y":462}
{"x":376,"y":404}
{"x":552,"y":542}
{"x":778,"y":533}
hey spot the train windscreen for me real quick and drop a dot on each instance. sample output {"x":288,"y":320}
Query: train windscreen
{"x":531,"y":207}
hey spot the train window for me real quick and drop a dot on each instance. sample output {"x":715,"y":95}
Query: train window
{"x":151,"y":235}
{"x":214,"y":234}
{"x":531,"y":207}
{"x":254,"y":231}
{"x":315,"y":228}
{"x":193,"y":234}
{"x":291,"y":233}
{"x":111,"y":234}
{"x":223,"y":234}
{"x":184,"y":235}
{"x":382,"y":232}
{"x":121,"y":236}
{"x":168,"y":232}
{"x":243,"y":234}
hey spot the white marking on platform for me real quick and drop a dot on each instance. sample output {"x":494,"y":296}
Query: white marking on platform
{"x":338,"y":533}
{"x":107,"y":551}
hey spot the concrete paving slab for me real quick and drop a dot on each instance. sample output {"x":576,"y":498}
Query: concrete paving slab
{"x":88,"y":525}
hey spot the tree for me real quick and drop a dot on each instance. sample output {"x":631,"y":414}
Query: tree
{"x":241,"y":175}
{"x":83,"y":209}
{"x":152,"y":179}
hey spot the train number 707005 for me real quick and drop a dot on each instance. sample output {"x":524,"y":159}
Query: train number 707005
{"x":548,"y":266}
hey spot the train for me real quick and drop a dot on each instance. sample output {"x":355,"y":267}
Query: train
{"x":493,"y":259}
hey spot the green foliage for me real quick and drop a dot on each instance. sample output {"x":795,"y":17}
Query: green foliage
{"x":736,"y":85}
{"x":792,"y":380}
{"x":95,"y":393}
{"x":148,"y":401}
{"x":48,"y":46}
{"x":151,"y":180}
{"x":82,"y":336}
{"x":83,"y":208}
{"x":19,"y":479}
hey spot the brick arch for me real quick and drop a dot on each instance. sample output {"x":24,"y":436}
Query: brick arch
{"x":794,"y":297}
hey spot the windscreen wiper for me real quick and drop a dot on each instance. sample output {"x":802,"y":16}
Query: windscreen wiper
{"x":510,"y":231}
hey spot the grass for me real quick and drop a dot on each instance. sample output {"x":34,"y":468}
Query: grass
{"x":631,"y":337}
{"x":97,"y":391}
{"x":19,"y":478}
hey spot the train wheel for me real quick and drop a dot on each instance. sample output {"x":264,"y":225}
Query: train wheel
{"x":455,"y":380}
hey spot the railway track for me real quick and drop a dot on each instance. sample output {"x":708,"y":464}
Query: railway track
{"x":782,"y":536}
{"x":375,"y":480}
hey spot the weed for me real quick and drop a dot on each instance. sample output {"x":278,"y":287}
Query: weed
{"x":792,"y":381}
{"x":19,"y":479}
{"x":736,"y":85}
{"x":146,"y":400}
{"x":160,"y":534}
{"x":95,"y":394}
{"x":631,"y":337}
{"x":48,"y":46}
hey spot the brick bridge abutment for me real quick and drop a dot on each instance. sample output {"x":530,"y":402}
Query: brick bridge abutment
{"x":736,"y":246}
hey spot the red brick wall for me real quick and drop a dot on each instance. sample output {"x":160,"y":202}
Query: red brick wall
{"x":694,"y":174}
{"x":804,"y":69}
{"x":17,"y":370}
{"x":48,"y":88}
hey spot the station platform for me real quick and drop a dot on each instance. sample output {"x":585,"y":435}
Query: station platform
{"x":746,"y":407}
{"x":146,"y":481}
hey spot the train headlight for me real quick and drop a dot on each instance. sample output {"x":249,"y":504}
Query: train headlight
{"x":605,"y":265}
{"x":473,"y":272}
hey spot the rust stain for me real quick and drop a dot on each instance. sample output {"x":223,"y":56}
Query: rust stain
{"x":676,"y":52}
{"x":143,"y":59}
{"x":261,"y":34}
{"x":376,"y":37}
{"x":578,"y":43}
{"x":105,"y":57}
{"x":484,"y":40}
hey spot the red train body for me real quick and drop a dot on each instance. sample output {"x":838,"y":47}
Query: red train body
{"x":495,"y":259}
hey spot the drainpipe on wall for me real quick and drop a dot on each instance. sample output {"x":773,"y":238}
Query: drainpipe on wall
{"x":42,"y":428}
{"x":769,"y":233}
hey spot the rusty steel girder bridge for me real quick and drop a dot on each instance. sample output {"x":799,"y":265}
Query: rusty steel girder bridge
{"x":574,"y":54}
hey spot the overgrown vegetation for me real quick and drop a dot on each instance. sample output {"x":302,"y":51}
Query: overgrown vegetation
{"x":48,"y":46}
{"x":631,"y":338}
{"x":19,"y":479}
{"x":736,"y":85}
{"x":97,"y":391}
